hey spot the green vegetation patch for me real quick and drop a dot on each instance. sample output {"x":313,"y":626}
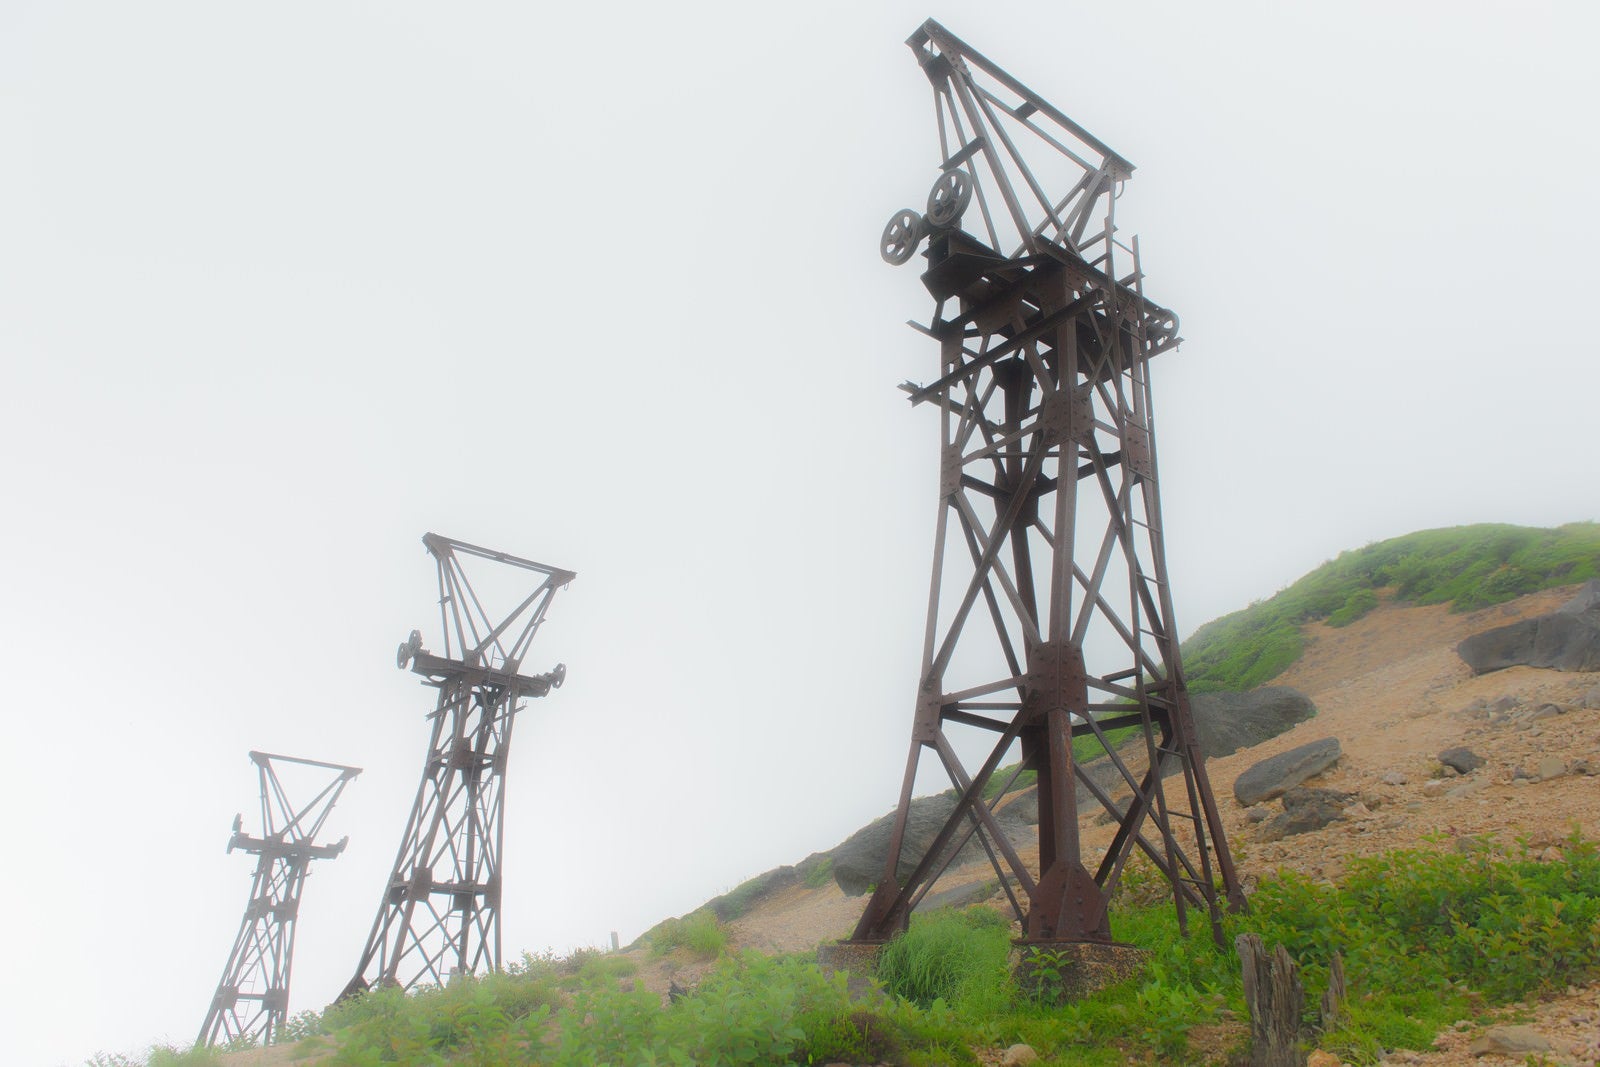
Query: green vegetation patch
{"x":1428,"y":937}
{"x":957,"y":957}
{"x":1467,"y":567}
{"x":699,"y":933}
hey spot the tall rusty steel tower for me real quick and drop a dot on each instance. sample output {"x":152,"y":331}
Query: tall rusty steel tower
{"x":251,"y":1003}
{"x":1050,"y":622}
{"x":440,"y":912}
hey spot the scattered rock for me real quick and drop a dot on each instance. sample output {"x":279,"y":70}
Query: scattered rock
{"x":1434,"y":787}
{"x":1276,"y":775}
{"x":1018,"y":1056}
{"x":1510,"y":1041}
{"x":1322,"y":1058}
{"x":1591,"y":699}
{"x":1460,"y":759}
{"x":1544,"y":711}
{"x":1581,"y":766}
{"x":1503,"y":703}
{"x":1227,"y":722}
{"x":1551,"y":767}
{"x":1551,"y":855}
{"x":1259,"y":813}
{"x":1466,"y":788}
{"x":1305,"y":810}
{"x":1394,"y":778}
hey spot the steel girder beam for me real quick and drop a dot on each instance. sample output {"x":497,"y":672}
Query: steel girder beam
{"x":440,"y":911}
{"x":251,"y":1003}
{"x":1050,"y":622}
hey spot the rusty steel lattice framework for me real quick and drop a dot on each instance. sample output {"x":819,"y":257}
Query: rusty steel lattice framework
{"x":1050,"y":622}
{"x":252,"y":999}
{"x":440,"y":913}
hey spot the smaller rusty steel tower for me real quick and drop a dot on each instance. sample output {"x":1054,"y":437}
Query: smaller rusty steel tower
{"x":252,"y":999}
{"x":1050,"y":636}
{"x":440,"y":912}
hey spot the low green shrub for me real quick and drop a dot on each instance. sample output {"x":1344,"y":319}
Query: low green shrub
{"x":698,"y":933}
{"x":820,"y":874}
{"x":958,"y":957}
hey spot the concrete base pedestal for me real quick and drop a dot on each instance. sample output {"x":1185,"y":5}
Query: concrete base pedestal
{"x":1055,"y":971}
{"x":1062,"y":971}
{"x":859,"y":958}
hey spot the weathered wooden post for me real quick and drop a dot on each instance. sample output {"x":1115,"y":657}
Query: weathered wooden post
{"x":1275,"y":997}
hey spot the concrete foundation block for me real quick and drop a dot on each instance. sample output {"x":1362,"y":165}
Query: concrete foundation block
{"x":1063,"y":971}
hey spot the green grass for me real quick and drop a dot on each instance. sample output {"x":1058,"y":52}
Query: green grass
{"x":819,"y":874}
{"x":959,"y":958}
{"x":1467,"y":567}
{"x":1428,"y":937}
{"x":698,"y":933}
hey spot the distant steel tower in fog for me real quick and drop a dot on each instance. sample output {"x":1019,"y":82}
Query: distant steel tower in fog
{"x":440,"y":912}
{"x":251,"y":1003}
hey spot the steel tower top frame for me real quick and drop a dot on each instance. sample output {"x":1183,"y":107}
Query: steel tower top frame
{"x":1049,"y":525}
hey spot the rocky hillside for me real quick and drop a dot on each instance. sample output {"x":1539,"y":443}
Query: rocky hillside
{"x":1520,"y":747}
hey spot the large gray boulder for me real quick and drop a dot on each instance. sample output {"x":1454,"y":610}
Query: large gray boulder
{"x":858,"y":861}
{"x":1585,"y":602}
{"x":1276,"y":775}
{"x":1567,"y":639}
{"x":1562,"y":640}
{"x":1227,"y":722}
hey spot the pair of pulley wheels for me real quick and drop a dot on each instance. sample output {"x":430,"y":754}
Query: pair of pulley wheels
{"x":948,"y":199}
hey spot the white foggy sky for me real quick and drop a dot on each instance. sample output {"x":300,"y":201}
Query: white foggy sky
{"x":282,"y":287}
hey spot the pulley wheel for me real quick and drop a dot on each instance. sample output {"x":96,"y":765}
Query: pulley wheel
{"x":949,"y":198}
{"x":900,"y":237}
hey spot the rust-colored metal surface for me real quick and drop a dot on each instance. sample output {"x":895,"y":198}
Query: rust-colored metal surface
{"x":251,"y":1003}
{"x":1050,"y":628}
{"x":440,"y":912}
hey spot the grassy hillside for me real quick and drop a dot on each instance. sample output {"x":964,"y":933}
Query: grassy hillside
{"x":1466,"y":567}
{"x":1427,"y":938}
